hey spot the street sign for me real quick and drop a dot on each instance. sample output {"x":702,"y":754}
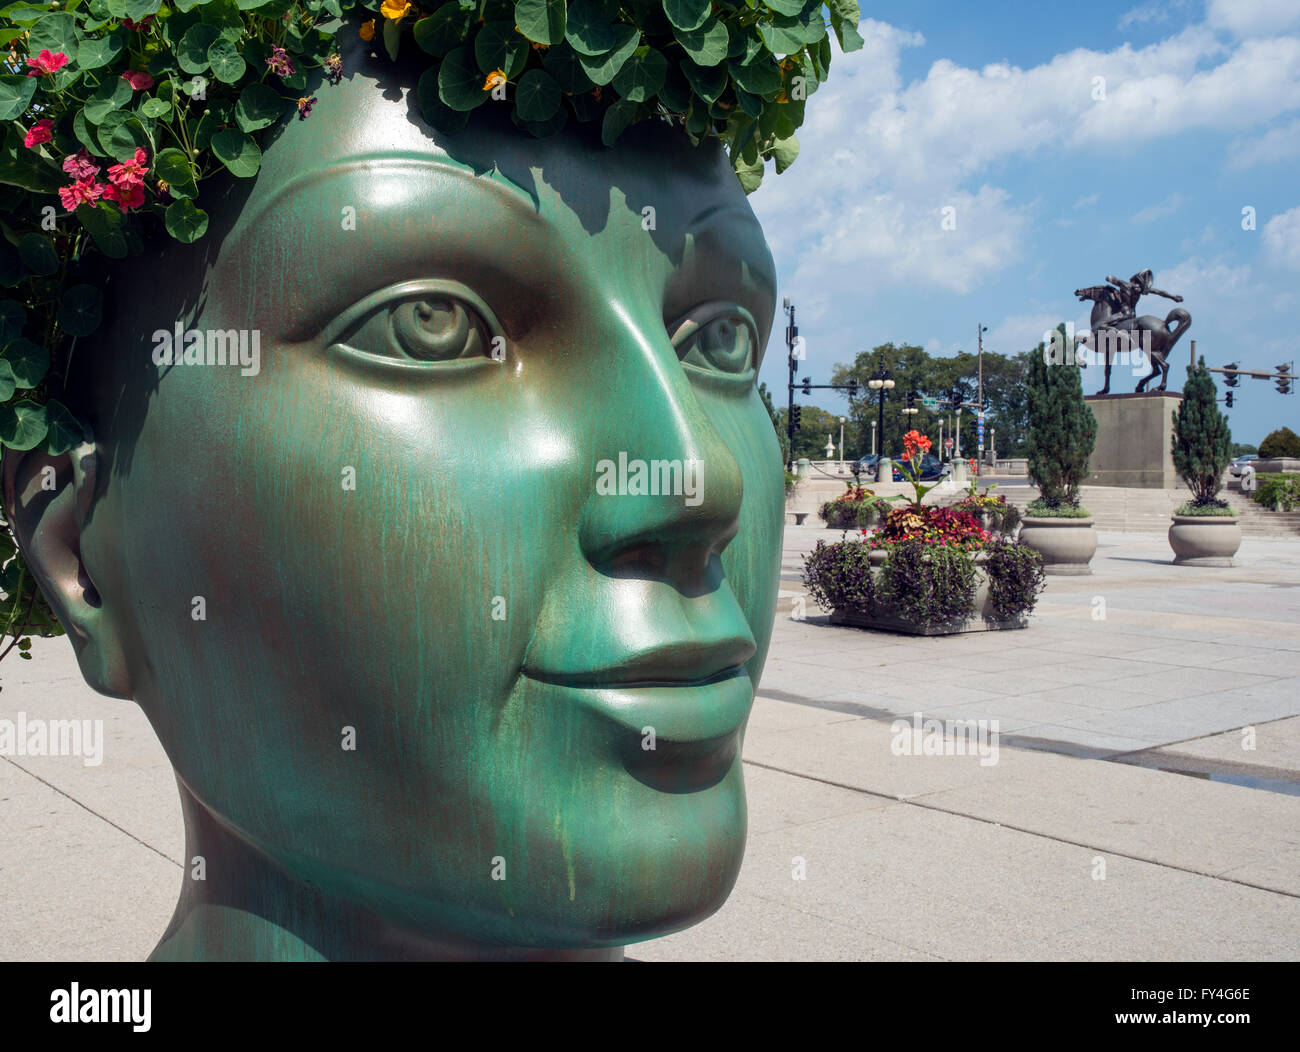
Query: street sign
{"x":947,"y":443}
{"x":929,"y":403}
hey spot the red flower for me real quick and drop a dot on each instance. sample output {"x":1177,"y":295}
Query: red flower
{"x":280,"y":62}
{"x":127,"y":196}
{"x":138,"y":81}
{"x":46,"y":62}
{"x":42,"y":131}
{"x":137,"y":26}
{"x":79,"y":167}
{"x":129,"y":174}
{"x":82,"y":192}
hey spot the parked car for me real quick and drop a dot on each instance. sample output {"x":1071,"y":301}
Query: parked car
{"x":1235,"y":467}
{"x":932,"y":467}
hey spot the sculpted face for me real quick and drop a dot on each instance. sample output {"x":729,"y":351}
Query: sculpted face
{"x":418,"y":632}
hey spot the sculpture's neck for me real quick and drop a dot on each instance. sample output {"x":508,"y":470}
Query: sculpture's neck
{"x":238,"y":905}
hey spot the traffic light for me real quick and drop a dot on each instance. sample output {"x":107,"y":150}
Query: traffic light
{"x":1230,"y":377}
{"x":796,"y":413}
{"x":853,"y":389}
{"x":1228,"y":400}
{"x":807,"y":385}
{"x":1284,"y":381}
{"x":956,"y":397}
{"x":911,"y":400}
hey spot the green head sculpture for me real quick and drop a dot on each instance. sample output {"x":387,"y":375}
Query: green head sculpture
{"x":433,"y":518}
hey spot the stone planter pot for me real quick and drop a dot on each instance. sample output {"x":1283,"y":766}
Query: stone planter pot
{"x":886,"y":618}
{"x":1066,"y":545}
{"x":1204,"y":540}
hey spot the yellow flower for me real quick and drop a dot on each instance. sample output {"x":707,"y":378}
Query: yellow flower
{"x":368,"y":30}
{"x":496,"y":77}
{"x":394,"y":10}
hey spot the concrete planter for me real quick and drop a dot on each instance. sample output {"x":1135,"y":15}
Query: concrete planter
{"x":1066,"y":545}
{"x":1204,"y":540}
{"x":886,"y":618}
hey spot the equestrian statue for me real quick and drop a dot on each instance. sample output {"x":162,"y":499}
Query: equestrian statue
{"x":1117,"y":329}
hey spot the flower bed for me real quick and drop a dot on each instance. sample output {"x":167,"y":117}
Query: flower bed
{"x":926,"y":570}
{"x":856,"y":508}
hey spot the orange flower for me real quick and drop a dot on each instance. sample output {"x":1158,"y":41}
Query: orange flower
{"x":368,"y":30}
{"x":395,"y":10}
{"x":494,"y":79}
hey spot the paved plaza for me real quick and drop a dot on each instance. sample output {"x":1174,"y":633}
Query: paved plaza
{"x":1143,"y":804}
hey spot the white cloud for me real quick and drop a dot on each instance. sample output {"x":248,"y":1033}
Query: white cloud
{"x":1252,"y":17}
{"x":1282,"y":238}
{"x":1021,"y":332}
{"x":1277,"y":144}
{"x":1087,"y":201}
{"x":1167,"y":207}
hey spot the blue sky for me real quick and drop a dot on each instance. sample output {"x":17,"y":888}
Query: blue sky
{"x":990,"y":109}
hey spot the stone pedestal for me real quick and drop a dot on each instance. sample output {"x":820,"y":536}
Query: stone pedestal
{"x":1134,"y":432}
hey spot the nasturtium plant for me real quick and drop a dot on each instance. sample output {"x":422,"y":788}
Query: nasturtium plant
{"x":113,"y":114}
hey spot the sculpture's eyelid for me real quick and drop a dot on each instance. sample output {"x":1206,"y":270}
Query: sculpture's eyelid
{"x":695,"y":319}
{"x":407,"y":290}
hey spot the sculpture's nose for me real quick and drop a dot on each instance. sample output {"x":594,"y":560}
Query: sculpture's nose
{"x":665,"y":489}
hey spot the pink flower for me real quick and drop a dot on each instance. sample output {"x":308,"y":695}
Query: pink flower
{"x":126,"y":195}
{"x":46,"y":62}
{"x":78,"y":166}
{"x":280,"y":62}
{"x":82,"y":192}
{"x":42,"y":131}
{"x":138,"y":81}
{"x":129,"y":174}
{"x":137,"y":26}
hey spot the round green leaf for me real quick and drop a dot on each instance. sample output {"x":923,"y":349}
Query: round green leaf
{"x":603,"y":68}
{"x":541,"y":129}
{"x":28,"y":361}
{"x":786,"y":7}
{"x":22,"y":425}
{"x":708,"y":82}
{"x":707,"y":45}
{"x":590,"y":29}
{"x":690,"y":14}
{"x":94,"y":52}
{"x":57,"y":32}
{"x":226,"y":62}
{"x":238,"y":152}
{"x":538,"y":96}
{"x":785,"y":36}
{"x":443,"y":30}
{"x":104,"y":222}
{"x":542,"y":21}
{"x":38,"y":254}
{"x":16,"y":93}
{"x":81,"y":310}
{"x":172,"y":166}
{"x":616,"y":120}
{"x":436,"y":112}
{"x":460,"y":83}
{"x":63,"y":431}
{"x":13,"y":316}
{"x":7,"y":389}
{"x":259,"y":107}
{"x":759,"y":77}
{"x":185,"y":221}
{"x":121,"y":134}
{"x":139,"y":10}
{"x":109,"y":97}
{"x":561,"y":62}
{"x":155,"y":107}
{"x":641,"y":76}
{"x":498,"y":46}
{"x":193,"y":51}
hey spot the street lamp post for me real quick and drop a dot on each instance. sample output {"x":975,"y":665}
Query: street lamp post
{"x":843,"y":421}
{"x":957,"y":433}
{"x":873,"y":438}
{"x":881,"y":381}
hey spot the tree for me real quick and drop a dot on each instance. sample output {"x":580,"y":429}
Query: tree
{"x":1280,"y":443}
{"x":1201,"y":443}
{"x":1062,"y":429}
{"x":1240,"y":449}
{"x":778,"y":422}
{"x":815,"y":425}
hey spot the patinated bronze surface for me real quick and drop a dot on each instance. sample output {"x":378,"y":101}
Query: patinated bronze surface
{"x":436,"y":680}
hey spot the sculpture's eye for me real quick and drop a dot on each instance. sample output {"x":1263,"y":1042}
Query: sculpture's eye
{"x":420,"y":323}
{"x":717,"y":338}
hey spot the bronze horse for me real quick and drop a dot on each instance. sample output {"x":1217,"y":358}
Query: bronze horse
{"x":1113,"y":314}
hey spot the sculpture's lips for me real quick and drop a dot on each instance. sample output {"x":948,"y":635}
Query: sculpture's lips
{"x":677,"y":711}
{"x":691,"y":664}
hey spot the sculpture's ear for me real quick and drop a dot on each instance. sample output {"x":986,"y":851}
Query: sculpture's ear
{"x":46,"y":500}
